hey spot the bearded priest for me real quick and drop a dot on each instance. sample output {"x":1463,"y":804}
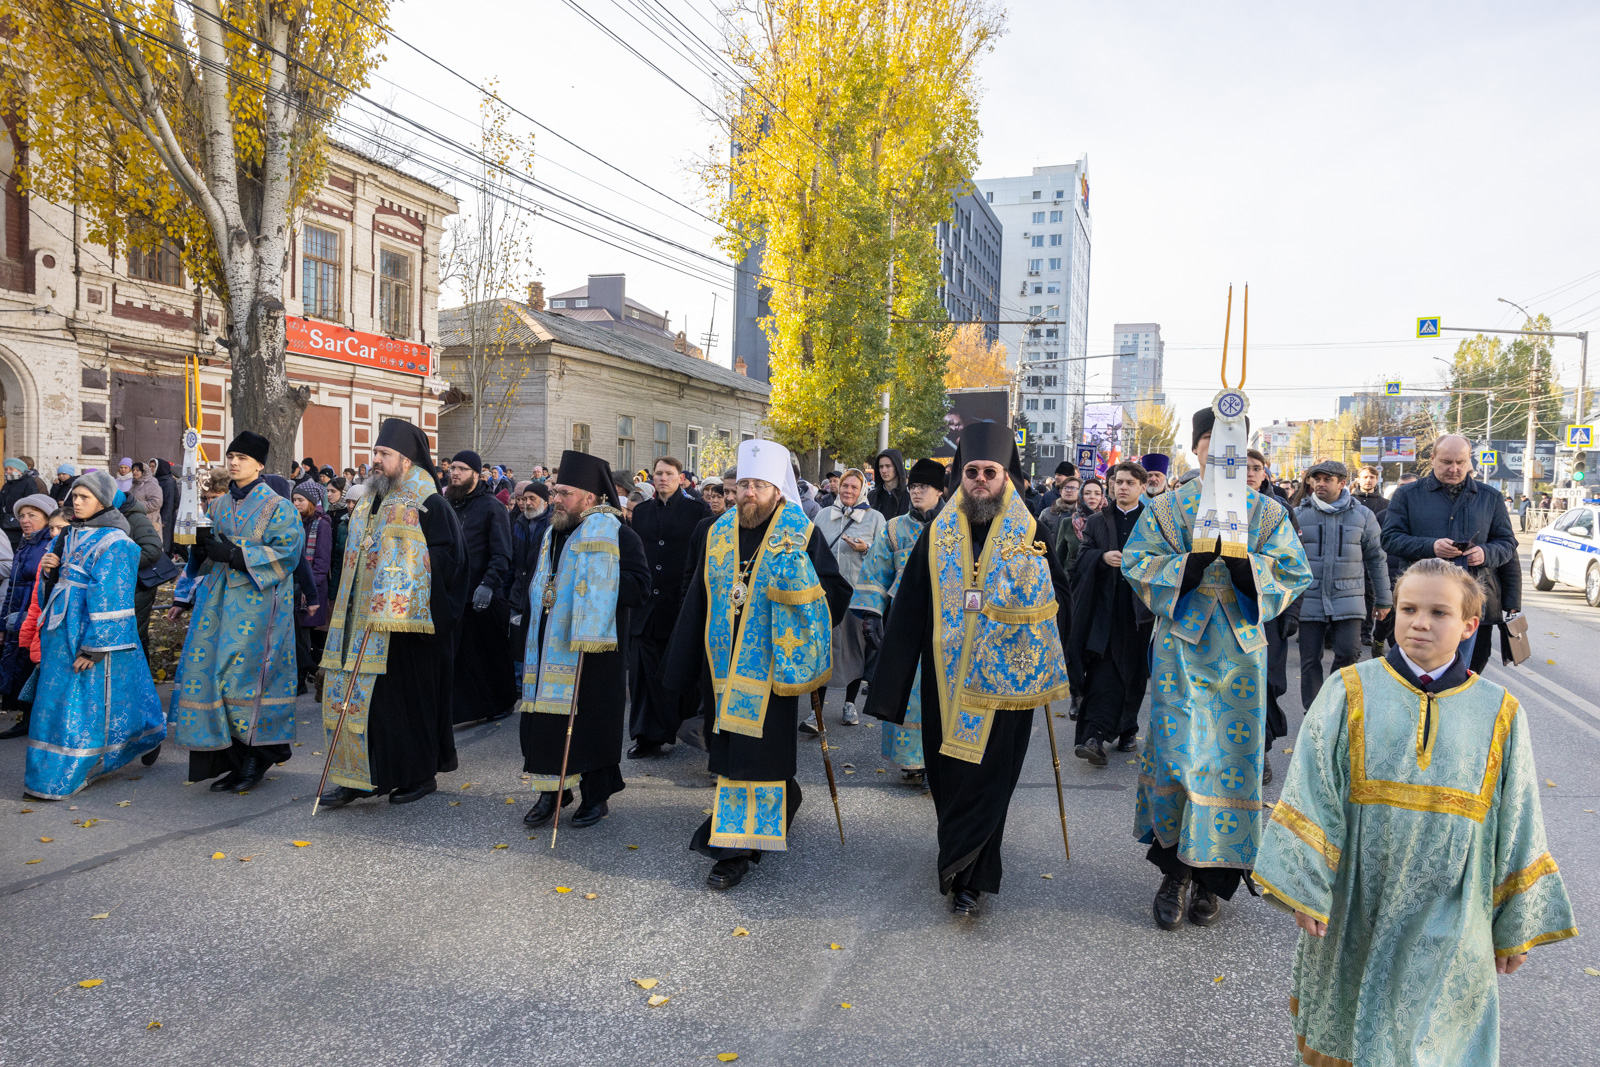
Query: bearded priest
{"x":984,"y":609}
{"x":591,"y":573}
{"x":754,"y":634}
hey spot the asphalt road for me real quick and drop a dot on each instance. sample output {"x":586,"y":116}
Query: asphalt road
{"x":403,"y":935}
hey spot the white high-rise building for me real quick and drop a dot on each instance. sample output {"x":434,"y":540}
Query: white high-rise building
{"x":1136,"y":372}
{"x":1044,"y":276}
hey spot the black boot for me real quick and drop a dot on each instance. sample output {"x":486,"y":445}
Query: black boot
{"x":1092,"y":750}
{"x":1128,"y":743}
{"x":408,"y":793}
{"x":340,"y":795}
{"x":250,"y":775}
{"x":544,"y":808}
{"x":1169,"y":901}
{"x":965,"y":902}
{"x":149,"y":758}
{"x":725,"y":874}
{"x":227,"y":783}
{"x":1266,"y":771}
{"x":1204,"y":908}
{"x":19,"y":729}
{"x":643,"y":749}
{"x":589,"y":814}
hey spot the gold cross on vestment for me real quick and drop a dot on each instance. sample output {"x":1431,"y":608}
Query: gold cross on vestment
{"x":720,"y":550}
{"x":788,"y":642}
{"x":949,"y":540}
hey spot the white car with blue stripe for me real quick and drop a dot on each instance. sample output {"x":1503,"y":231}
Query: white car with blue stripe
{"x":1567,"y":552}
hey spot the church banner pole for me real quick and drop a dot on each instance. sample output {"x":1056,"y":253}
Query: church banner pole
{"x":338,"y":727}
{"x":1055,"y":761}
{"x":566,"y":749}
{"x":827,"y":761}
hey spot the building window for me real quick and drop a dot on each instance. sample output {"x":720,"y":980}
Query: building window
{"x":1055,"y":240}
{"x":1038,"y":240}
{"x":1047,"y":427}
{"x":1036,"y":265}
{"x":1053,"y":287}
{"x":1052,"y":332}
{"x":1061,"y":194}
{"x":1037,"y":193}
{"x":1052,"y":354}
{"x":394,"y":293}
{"x":580,"y":303}
{"x":1033,"y":381}
{"x":1038,"y":216}
{"x":1033,"y":333}
{"x":319,"y":273}
{"x":1050,"y":403}
{"x":580,"y":437}
{"x":663,"y":438}
{"x":746,"y":435}
{"x":1055,"y":264}
{"x":1034,"y":309}
{"x":989,"y":197}
{"x":1049,"y":381}
{"x":694,"y":450}
{"x":1031,"y":404}
{"x":558,"y":303}
{"x":162,"y":265}
{"x":1037,"y":288}
{"x":625,"y":444}
{"x":1053,"y":310}
{"x":1055,"y":216}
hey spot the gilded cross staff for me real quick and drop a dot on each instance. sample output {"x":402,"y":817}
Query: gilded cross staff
{"x":338,"y":727}
{"x":566,"y":750}
{"x":827,"y":761}
{"x":1055,"y":761}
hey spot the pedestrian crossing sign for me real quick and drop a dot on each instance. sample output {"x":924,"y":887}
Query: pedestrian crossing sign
{"x":1428,"y":327}
{"x":1022,"y":437}
{"x":1580,"y":436}
{"x":1391,"y":387}
{"x":1488,"y":459}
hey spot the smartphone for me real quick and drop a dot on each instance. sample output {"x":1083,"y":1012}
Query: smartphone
{"x":1462,"y":546}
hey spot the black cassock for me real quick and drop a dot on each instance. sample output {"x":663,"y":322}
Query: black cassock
{"x":602,"y":690}
{"x":773,"y":756}
{"x":409,"y":734}
{"x":666,"y":529}
{"x":969,"y":799}
{"x":485,"y":683}
{"x":1110,"y":643}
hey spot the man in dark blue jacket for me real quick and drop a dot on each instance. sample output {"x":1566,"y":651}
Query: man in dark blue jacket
{"x":1450,"y":515}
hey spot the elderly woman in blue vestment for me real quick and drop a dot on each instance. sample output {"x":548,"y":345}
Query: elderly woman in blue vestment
{"x":95,"y":708}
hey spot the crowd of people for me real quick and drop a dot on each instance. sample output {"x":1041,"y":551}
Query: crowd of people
{"x":624,"y":614}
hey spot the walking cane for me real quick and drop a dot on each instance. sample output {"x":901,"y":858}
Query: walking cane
{"x":338,"y":727}
{"x":827,"y":761}
{"x":1055,"y":760}
{"x":566,"y":750}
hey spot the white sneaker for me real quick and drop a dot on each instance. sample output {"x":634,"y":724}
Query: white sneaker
{"x":850,"y":716}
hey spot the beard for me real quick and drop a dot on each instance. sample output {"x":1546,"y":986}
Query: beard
{"x":457,"y":493}
{"x":378,"y":482}
{"x":980,"y":510}
{"x":562,"y":519}
{"x":755,"y":513}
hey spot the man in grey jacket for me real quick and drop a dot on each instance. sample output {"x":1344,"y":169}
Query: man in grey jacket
{"x":1344,"y":546}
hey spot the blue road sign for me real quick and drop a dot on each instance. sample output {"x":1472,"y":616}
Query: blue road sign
{"x":1580,"y":436}
{"x":1428,"y":327}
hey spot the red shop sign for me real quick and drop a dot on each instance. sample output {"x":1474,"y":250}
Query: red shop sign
{"x":330,"y":341}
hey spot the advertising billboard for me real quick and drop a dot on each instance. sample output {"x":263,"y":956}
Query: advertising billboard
{"x":1102,"y":428}
{"x":331,"y":341}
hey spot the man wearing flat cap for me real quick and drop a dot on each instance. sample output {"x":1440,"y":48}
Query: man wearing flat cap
{"x":388,"y":657}
{"x":982,"y":611}
{"x":1198,"y":805}
{"x":753,"y":635}
{"x":1344,"y":546}
{"x":591,"y":573}
{"x":234,"y":692}
{"x":485,"y":684}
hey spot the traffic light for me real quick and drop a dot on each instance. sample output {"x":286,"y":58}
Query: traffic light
{"x":1580,"y":467}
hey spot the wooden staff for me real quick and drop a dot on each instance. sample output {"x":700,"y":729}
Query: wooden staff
{"x":566,"y":749}
{"x":827,"y":761}
{"x":338,"y":727}
{"x":1055,"y":760}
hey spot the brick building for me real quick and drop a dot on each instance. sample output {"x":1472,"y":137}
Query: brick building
{"x":552,"y":382}
{"x":93,"y":341}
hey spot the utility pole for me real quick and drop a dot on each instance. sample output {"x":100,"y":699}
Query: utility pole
{"x":709,"y":338}
{"x":1533,"y":408}
{"x":888,"y":334}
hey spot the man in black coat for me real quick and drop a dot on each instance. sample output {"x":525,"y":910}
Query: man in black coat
{"x":1368,"y":491}
{"x":532,"y":501}
{"x":485,"y":684}
{"x":666,"y":524}
{"x":171,"y":493}
{"x":1110,"y":642}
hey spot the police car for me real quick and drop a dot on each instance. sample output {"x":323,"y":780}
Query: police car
{"x":1568,"y":552}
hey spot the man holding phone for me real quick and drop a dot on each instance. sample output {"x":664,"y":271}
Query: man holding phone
{"x":1450,"y":515}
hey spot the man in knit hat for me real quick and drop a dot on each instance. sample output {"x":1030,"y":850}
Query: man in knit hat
{"x":485,"y":683}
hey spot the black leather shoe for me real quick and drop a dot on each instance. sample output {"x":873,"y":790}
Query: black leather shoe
{"x":725,"y":874}
{"x":1168,"y":907}
{"x":18,"y":729}
{"x":1072,"y":710}
{"x":965,"y":902}
{"x":1204,"y":907}
{"x":340,"y":795}
{"x":226,"y":783}
{"x":643,"y":749}
{"x":407,"y":794}
{"x":250,"y":775}
{"x":1129,"y":743}
{"x":497,"y":716}
{"x":1266,"y":771}
{"x":545,"y":807}
{"x":1094,"y":751}
{"x":589,"y":814}
{"x":149,"y":758}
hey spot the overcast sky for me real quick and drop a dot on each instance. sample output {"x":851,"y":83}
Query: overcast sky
{"x":1359,"y":165}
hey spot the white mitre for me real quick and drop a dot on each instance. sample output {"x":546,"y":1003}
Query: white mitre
{"x":769,"y":461}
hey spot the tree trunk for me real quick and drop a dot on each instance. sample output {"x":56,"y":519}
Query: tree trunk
{"x":263,"y":400}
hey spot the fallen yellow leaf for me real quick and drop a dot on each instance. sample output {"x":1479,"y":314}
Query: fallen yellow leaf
{"x":1551,"y":662}
{"x":1061,"y":715}
{"x":835,"y":946}
{"x":1217,"y":979}
{"x":563,"y":889}
{"x":591,"y":896}
{"x":455,"y":803}
{"x":1591,"y":972}
{"x":155,"y":1024}
{"x":502,"y":846}
{"x":1589,"y":810}
{"x":123,"y":803}
{"x":727,"y":1057}
{"x":219,"y":855}
{"x":102,"y":915}
{"x":47,"y":840}
{"x":1288,"y":752}
{"x":738,"y":931}
{"x":1547,"y":782}
{"x":29,"y":811}
{"x":846,"y":1004}
{"x":299,"y":844}
{"x":647,"y":983}
{"x":468,"y":785}
{"x":90,"y":983}
{"x":633,"y":846}
{"x":1047,"y":876}
{"x":657,"y":1000}
{"x":247,"y":859}
{"x":705,"y":811}
{"x":26,"y":863}
{"x":510,"y":800}
{"x":880,"y":770}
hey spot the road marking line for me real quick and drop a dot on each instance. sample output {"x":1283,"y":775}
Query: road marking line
{"x":1557,"y":708}
{"x":1561,"y":691}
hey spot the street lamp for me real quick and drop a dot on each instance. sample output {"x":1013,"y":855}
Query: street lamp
{"x":1533,"y":407}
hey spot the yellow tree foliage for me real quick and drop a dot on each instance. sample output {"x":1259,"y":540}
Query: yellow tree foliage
{"x":854,"y":129}
{"x":974,"y":361}
{"x":1154,"y":429}
{"x":199,"y":124}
